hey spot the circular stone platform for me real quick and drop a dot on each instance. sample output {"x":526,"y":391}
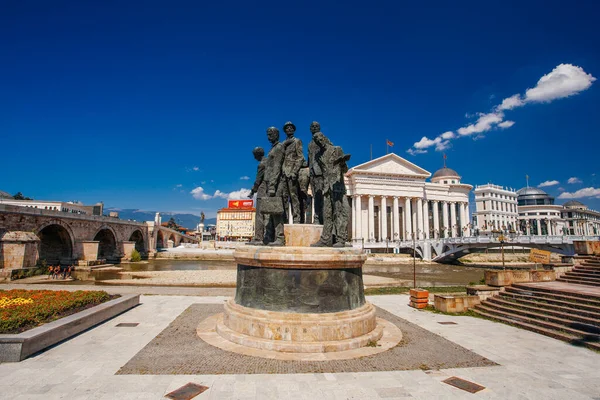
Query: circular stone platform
{"x":391,"y":336}
{"x":300,"y":300}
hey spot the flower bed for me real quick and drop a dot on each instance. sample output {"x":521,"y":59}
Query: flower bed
{"x":21,"y":310}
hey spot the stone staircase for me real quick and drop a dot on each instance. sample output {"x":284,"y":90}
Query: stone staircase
{"x":552,"y":310}
{"x":585,"y":272}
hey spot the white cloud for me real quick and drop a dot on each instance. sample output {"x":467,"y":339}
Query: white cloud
{"x":413,"y":152}
{"x":510,"y":102}
{"x":565,"y":80}
{"x":239,"y":194}
{"x":561,"y":189}
{"x":244,"y":178}
{"x":548,"y":183}
{"x":199,"y":194}
{"x":179,"y":185}
{"x":441,"y":146}
{"x":220,"y":194}
{"x":484,"y":123}
{"x":586,"y":192}
{"x":425,"y":143}
{"x":196,"y":169}
{"x":506,"y":124}
{"x":574,"y":180}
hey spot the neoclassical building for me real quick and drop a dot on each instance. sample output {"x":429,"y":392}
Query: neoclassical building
{"x":538,"y":215}
{"x":392,"y":200}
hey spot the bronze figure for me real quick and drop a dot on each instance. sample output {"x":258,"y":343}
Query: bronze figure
{"x":260,"y":189}
{"x":332,"y":163}
{"x":293,"y":161}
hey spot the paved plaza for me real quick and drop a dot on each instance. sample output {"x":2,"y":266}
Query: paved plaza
{"x":530,"y":366}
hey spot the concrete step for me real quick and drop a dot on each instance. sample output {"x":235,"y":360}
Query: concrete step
{"x":593,"y":263}
{"x":546,"y":300}
{"x":545,"y":309}
{"x":583,"y":274}
{"x":589,"y":270}
{"x":578,"y":281}
{"x":588,"y":297}
{"x":578,"y":340}
{"x":557,"y":295}
{"x":542,"y":319}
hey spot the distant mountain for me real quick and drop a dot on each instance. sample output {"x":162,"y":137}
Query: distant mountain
{"x":189,"y":221}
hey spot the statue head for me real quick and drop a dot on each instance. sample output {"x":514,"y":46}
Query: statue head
{"x":320,"y":139}
{"x":289,"y":128}
{"x":259,"y":153}
{"x":315,"y":127}
{"x":273,"y":135}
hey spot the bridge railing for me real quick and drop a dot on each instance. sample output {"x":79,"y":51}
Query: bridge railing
{"x":521,"y":239}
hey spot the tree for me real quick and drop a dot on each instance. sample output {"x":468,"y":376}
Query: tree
{"x":172,"y":224}
{"x":19,"y":196}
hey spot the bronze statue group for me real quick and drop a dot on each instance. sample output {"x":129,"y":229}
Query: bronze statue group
{"x":282,"y":182}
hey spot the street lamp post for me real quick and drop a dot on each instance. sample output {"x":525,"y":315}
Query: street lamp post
{"x":414,"y":262}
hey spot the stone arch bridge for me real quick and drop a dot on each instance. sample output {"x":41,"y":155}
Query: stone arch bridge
{"x":451,"y":249}
{"x":66,"y":238}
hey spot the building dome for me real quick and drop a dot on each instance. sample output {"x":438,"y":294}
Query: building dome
{"x":445,"y":172}
{"x":4,"y":195}
{"x":530,"y":196}
{"x":575,"y":204}
{"x":530,"y":191}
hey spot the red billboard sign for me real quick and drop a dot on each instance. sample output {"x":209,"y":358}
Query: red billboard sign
{"x":240,"y":204}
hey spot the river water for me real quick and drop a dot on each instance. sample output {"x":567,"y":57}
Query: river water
{"x":427,"y":274}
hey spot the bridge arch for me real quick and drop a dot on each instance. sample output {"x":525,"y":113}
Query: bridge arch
{"x":107,"y":246}
{"x":138,"y":237}
{"x":174,"y":239}
{"x":56,"y":242}
{"x":160,"y":240}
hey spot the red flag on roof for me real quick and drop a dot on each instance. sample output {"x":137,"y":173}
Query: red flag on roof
{"x":389,"y":143}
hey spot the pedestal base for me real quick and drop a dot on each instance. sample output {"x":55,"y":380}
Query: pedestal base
{"x":299,"y":332}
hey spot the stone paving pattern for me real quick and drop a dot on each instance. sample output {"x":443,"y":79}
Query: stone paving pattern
{"x":531,"y":366}
{"x":175,"y":351}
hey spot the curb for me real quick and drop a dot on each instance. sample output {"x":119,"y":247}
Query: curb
{"x":17,"y":347}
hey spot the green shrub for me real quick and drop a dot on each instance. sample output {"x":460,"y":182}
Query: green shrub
{"x":135,"y":256}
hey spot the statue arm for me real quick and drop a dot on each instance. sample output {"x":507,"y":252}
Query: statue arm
{"x":299,"y":157}
{"x":276,"y":170}
{"x":260,"y":177}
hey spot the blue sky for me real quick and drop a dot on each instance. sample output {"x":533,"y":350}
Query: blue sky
{"x":137,"y":104}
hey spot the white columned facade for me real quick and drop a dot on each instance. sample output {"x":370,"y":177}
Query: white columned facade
{"x":467,"y":219}
{"x":358,"y":209}
{"x":353,"y":216}
{"x":371,"y":222}
{"x":409,"y":191}
{"x":445,"y":219}
{"x":396,"y":231}
{"x":539,"y":226}
{"x":420,"y":218}
{"x":461,"y":210}
{"x":426,"y":219}
{"x":436,"y":220}
{"x":407,"y":216}
{"x":413,"y":207}
{"x":453,"y":218}
{"x":383,"y":233}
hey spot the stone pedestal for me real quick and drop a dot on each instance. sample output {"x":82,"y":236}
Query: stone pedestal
{"x":302,"y":235}
{"x":87,"y":250}
{"x":18,"y":249}
{"x":299,"y":299}
{"x":127,"y":248}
